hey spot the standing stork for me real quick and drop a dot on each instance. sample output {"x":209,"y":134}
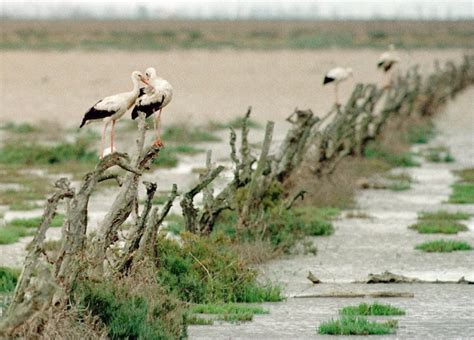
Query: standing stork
{"x":386,"y":62}
{"x":112,"y":108}
{"x":154,"y":98}
{"x":337,"y":75}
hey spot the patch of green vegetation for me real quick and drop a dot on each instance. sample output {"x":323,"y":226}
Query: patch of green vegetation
{"x":463,"y":193}
{"x":236,"y":123}
{"x":23,"y":206}
{"x":175,"y":223}
{"x":187,"y":134}
{"x":443,"y":215}
{"x":399,"y":186}
{"x":439,"y":155}
{"x":443,"y":246}
{"x":34,"y":222}
{"x":357,"y":325}
{"x":372,"y":309}
{"x":8,"y":279}
{"x":18,"y":127}
{"x":402,"y":177}
{"x":420,"y":134}
{"x":467,"y":175}
{"x":374,"y":151}
{"x":320,"y":228}
{"x":236,"y":317}
{"x":228,"y":308}
{"x":14,"y":152}
{"x":187,"y":149}
{"x":9,"y":235}
{"x":168,"y":156}
{"x":208,"y":270}
{"x":441,"y":227}
{"x":227,"y":312}
{"x":309,"y":213}
{"x":197,"y":320}
{"x":132,"y":313}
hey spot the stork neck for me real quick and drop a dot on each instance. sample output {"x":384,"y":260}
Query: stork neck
{"x":136,"y":86}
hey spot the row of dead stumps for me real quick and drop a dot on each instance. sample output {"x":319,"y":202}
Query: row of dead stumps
{"x":354,"y":320}
{"x":383,"y":278}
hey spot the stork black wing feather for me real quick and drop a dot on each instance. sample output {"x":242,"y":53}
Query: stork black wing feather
{"x":327,"y":80}
{"x":147,"y":109}
{"x":93,"y":114}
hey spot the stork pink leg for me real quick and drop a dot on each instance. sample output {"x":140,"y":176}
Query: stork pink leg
{"x":112,"y":135}
{"x":158,"y":141}
{"x":104,"y":130}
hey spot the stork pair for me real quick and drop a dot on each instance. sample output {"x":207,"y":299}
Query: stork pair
{"x":386,"y":62}
{"x":149,"y":99}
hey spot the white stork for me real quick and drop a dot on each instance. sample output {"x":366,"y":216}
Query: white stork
{"x":154,"y":98}
{"x":386,"y":62}
{"x":112,"y":108}
{"x":337,"y":75}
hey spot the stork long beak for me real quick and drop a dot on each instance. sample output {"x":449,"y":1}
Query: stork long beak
{"x":144,"y":80}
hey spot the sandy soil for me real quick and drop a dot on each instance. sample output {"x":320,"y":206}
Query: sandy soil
{"x":209,"y":85}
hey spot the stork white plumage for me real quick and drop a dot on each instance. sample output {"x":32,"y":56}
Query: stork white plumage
{"x":387,"y":62}
{"x":154,"y":98}
{"x":112,"y":108}
{"x":336,"y":76}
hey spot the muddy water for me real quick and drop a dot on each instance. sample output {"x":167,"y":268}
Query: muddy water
{"x":373,"y":245}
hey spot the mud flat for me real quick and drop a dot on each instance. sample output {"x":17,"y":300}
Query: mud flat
{"x":209,"y":85}
{"x":381,"y":242}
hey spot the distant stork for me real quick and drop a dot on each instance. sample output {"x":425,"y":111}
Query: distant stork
{"x":154,"y":98}
{"x":386,"y":62}
{"x":112,"y":108}
{"x":337,"y":75}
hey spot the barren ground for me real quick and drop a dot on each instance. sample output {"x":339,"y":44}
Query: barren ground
{"x":209,"y":85}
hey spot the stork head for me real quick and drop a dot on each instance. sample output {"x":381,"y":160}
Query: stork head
{"x":138,"y":76}
{"x":150,"y":72}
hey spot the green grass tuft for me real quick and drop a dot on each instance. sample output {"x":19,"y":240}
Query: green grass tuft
{"x":229,"y":308}
{"x":372,"y":309}
{"x":463,"y":193}
{"x":443,"y":246}
{"x":209,"y":270}
{"x":19,"y":127}
{"x":23,"y":206}
{"x":9,"y":235}
{"x":36,"y":154}
{"x":467,"y":175}
{"x":443,"y":215}
{"x":357,"y":325}
{"x":187,"y":134}
{"x":400,"y":186}
{"x":318,"y":227}
{"x":34,"y":222}
{"x":420,"y":134}
{"x":197,"y":320}
{"x":439,"y":155}
{"x":8,"y":279}
{"x":236,"y":123}
{"x":373,"y":151}
{"x":438,"y":227}
{"x":132,"y":314}
{"x":168,"y":156}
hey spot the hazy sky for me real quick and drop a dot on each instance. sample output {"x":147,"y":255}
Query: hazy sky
{"x":242,"y":8}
